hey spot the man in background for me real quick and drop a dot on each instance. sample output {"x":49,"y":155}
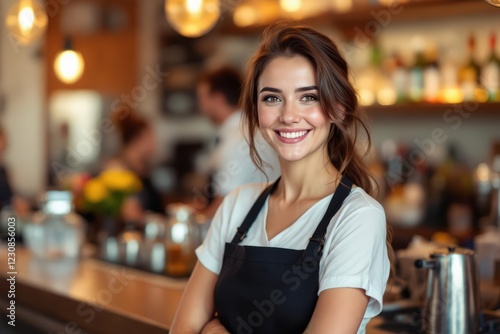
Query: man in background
{"x":229,"y":164}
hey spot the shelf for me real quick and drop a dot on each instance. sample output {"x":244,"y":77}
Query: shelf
{"x":365,"y":12}
{"x":417,"y":109}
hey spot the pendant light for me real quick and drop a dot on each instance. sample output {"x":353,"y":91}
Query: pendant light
{"x":291,"y":6}
{"x":69,"y":64}
{"x":192,"y":18}
{"x":495,"y":3}
{"x":26,"y":21}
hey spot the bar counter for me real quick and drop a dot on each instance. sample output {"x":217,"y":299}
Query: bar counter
{"x":92,"y":295}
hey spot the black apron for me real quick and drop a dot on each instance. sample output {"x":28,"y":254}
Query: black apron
{"x":270,"y":289}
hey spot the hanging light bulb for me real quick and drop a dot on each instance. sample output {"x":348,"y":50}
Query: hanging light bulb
{"x":291,"y":6}
{"x":69,"y":64}
{"x":26,"y":21}
{"x":192,"y":18}
{"x":495,"y":3}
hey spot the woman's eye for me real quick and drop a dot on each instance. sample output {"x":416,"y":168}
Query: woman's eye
{"x":309,"y":98}
{"x":271,"y":98}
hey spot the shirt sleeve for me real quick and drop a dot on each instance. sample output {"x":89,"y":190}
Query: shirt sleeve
{"x":357,"y":257}
{"x":211,"y":252}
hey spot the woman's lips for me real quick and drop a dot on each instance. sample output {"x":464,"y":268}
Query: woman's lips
{"x":291,"y":136}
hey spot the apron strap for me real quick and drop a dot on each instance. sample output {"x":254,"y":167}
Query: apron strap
{"x":253,"y":213}
{"x":316,"y":242}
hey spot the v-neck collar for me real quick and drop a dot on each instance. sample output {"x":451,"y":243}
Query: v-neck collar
{"x":293,"y":226}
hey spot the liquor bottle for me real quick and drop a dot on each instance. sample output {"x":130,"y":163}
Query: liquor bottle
{"x":469,"y":74}
{"x":371,"y":77}
{"x":450,"y":87}
{"x":490,"y":74}
{"x":399,"y":77}
{"x":416,"y":89}
{"x":432,"y":82}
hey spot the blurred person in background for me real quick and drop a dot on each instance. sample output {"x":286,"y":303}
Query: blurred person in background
{"x":229,"y":164}
{"x":138,"y":144}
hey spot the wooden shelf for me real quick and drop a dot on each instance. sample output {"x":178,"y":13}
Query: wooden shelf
{"x":416,"y":109}
{"x":363,"y":13}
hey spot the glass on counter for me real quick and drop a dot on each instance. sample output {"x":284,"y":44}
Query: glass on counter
{"x":55,"y":232}
{"x":183,"y":235}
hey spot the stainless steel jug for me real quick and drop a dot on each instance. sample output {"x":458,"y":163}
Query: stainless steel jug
{"x":452,"y":301}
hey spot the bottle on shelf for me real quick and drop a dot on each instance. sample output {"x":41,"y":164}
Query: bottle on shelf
{"x":372,"y":83}
{"x":451,"y":91}
{"x":432,"y":80}
{"x":399,"y":77}
{"x":416,"y":81}
{"x":469,"y":74}
{"x":490,"y":74}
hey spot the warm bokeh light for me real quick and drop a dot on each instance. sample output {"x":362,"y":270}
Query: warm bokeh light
{"x":482,"y":172}
{"x":387,"y":96}
{"x":69,"y":66}
{"x":291,"y":6}
{"x":452,"y":95}
{"x":341,"y":6}
{"x":194,"y":7}
{"x":480,"y":94}
{"x":245,"y":16}
{"x":495,"y":3}
{"x":192,"y":18}
{"x":26,"y":21}
{"x":366,"y":97}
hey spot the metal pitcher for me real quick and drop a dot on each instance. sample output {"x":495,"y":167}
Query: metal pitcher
{"x":452,"y":302}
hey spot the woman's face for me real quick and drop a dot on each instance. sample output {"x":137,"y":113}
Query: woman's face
{"x":290,"y":116}
{"x":147,"y":142}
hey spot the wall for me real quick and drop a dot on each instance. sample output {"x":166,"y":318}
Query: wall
{"x":22,"y":82}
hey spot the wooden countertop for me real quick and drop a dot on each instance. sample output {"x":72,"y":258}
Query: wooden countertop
{"x":99,"y":297}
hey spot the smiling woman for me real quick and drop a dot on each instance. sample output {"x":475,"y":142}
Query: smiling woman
{"x":311,"y":251}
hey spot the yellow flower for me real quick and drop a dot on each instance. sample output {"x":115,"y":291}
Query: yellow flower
{"x":95,"y":191}
{"x":120,"y":180}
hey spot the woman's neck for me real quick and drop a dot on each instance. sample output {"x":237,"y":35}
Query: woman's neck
{"x":134,"y":161}
{"x":311,"y":178}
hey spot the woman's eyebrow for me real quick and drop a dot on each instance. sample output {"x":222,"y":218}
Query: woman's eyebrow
{"x":298,"y":90}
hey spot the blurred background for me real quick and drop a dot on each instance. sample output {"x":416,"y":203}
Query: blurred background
{"x":90,"y":85}
{"x":426,"y":73}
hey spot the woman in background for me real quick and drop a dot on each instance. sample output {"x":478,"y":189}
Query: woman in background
{"x":138,"y":144}
{"x":310,"y":252}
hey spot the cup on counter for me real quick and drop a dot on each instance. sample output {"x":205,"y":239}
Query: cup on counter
{"x":152,"y":255}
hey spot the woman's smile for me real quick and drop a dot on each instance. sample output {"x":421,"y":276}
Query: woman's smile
{"x":291,"y":136}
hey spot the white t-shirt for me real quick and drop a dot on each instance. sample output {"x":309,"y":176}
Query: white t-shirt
{"x":355,"y":253}
{"x":230,"y":160}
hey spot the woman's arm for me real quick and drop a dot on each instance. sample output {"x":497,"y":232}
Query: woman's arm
{"x":339,"y":311}
{"x":196,"y":308}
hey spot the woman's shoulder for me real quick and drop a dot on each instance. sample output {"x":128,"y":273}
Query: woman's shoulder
{"x":361,"y":211}
{"x":246,"y":193}
{"x":359,"y":199}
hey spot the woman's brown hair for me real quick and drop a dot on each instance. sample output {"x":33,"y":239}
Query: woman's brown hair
{"x":337,"y":97}
{"x":130,"y":125}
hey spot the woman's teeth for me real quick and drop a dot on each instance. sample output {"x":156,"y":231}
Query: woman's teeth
{"x":292,"y":135}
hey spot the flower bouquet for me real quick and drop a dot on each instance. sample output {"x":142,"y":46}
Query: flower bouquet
{"x":104,"y":195}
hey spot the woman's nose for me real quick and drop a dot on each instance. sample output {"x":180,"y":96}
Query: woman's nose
{"x":289,"y":114}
